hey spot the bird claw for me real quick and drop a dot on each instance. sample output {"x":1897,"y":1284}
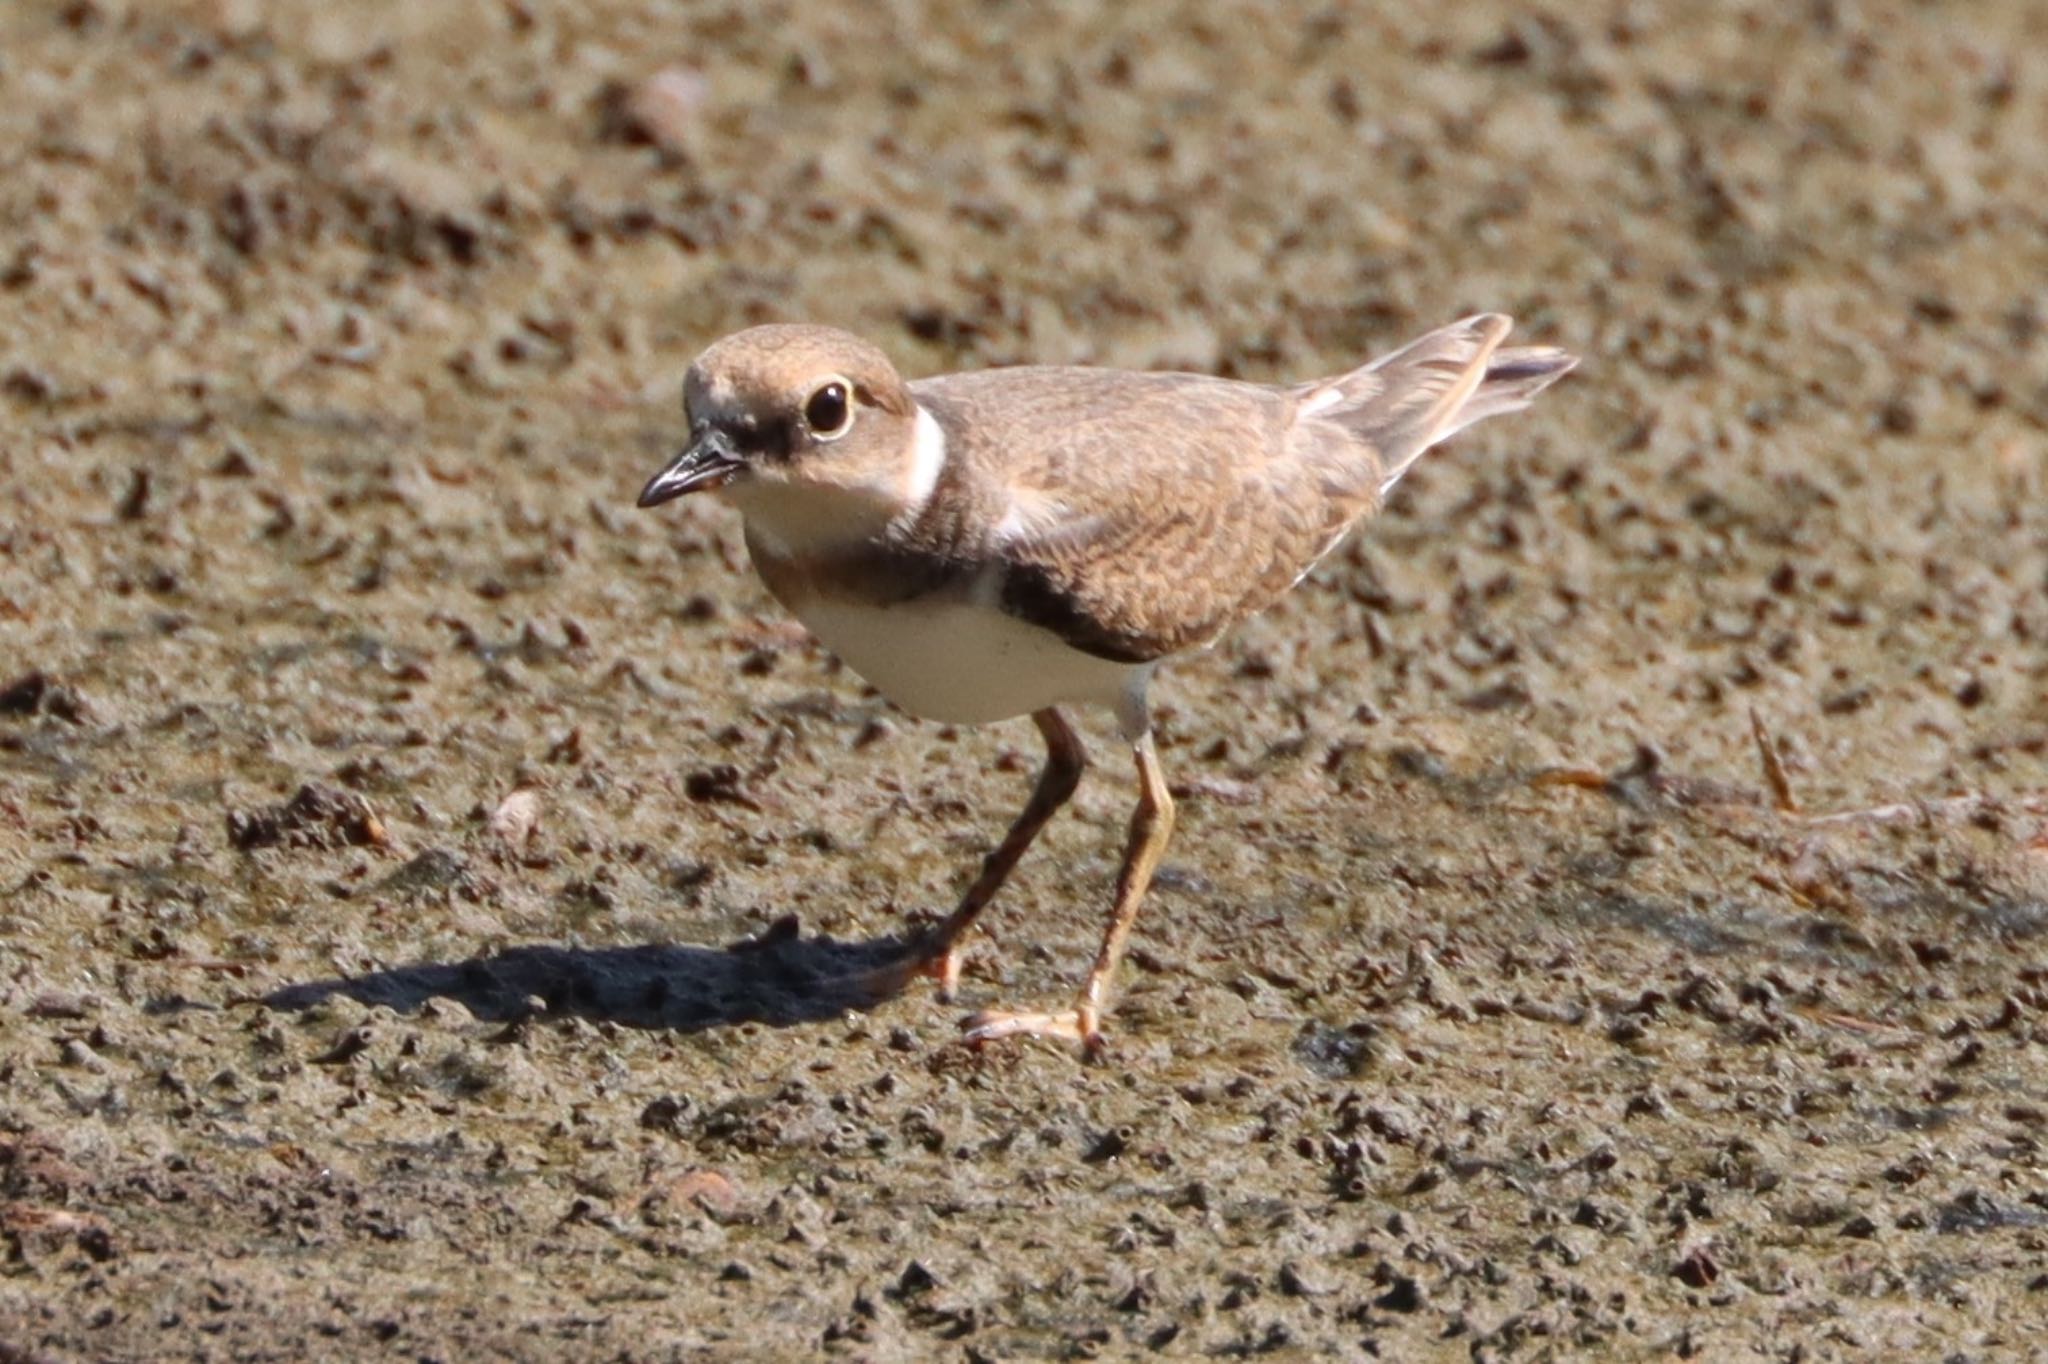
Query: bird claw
{"x":1071,"y":1025}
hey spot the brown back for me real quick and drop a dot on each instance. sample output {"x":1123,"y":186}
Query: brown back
{"x":1147,"y":513}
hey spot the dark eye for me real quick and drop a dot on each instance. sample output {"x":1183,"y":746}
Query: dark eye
{"x":829,"y":411}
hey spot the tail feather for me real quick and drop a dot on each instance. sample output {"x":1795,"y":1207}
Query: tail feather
{"x":1433,"y":388}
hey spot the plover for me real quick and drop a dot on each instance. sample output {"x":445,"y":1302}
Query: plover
{"x":1008,"y":542}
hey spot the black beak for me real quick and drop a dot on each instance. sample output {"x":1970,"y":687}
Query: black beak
{"x":708,"y":462}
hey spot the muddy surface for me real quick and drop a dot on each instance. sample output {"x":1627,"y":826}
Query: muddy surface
{"x":447,"y":914}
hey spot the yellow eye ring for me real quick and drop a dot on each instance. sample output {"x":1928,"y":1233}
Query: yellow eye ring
{"x":828,"y":412}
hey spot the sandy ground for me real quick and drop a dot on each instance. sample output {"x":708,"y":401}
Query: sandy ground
{"x":430,"y":890}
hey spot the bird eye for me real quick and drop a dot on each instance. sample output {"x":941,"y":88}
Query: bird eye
{"x":829,"y":411}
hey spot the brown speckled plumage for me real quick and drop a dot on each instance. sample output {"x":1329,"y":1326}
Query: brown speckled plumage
{"x":1012,"y":541}
{"x":1179,"y":504}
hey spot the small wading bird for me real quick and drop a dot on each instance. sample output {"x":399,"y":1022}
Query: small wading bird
{"x":1006,"y":542}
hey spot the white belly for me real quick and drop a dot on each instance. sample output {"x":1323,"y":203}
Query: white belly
{"x":963,"y":663}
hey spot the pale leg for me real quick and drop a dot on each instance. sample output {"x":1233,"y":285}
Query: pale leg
{"x":1151,"y":827}
{"x":1064,"y":763}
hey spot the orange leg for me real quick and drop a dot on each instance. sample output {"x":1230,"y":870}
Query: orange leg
{"x":1064,"y":762}
{"x":1151,"y":828}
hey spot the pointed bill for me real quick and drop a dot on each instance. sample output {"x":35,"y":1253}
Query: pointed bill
{"x":707,"y":462}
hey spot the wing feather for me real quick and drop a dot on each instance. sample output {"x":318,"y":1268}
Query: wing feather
{"x":1140,"y":514}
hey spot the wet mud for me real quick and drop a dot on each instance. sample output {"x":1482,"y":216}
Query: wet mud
{"x":446,"y":914}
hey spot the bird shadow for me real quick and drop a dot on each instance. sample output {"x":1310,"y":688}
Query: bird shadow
{"x":779,"y":978}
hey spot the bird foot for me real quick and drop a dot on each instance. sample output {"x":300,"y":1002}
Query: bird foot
{"x":942,"y":964}
{"x":1073,"y":1025}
